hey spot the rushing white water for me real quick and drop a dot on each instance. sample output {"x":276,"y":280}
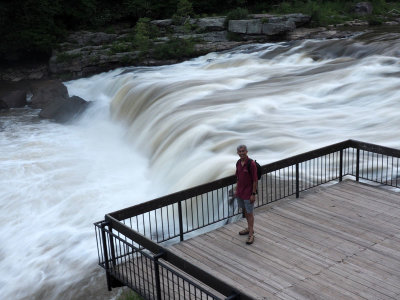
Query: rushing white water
{"x":156,"y":130}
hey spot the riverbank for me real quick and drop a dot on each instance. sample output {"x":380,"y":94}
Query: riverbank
{"x":163,"y":42}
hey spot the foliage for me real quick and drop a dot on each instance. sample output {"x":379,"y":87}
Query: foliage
{"x":67,"y":57}
{"x":236,"y":14}
{"x":31,"y":28}
{"x":322,"y":12}
{"x":142,"y":40}
{"x":175,"y":48}
{"x":184,"y":8}
{"x":184,"y":11}
{"x":233,"y":36}
{"x":119,"y":47}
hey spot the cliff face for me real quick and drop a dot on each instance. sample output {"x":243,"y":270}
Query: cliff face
{"x":85,"y":53}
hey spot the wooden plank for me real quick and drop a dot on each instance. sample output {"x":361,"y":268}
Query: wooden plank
{"x":335,"y":242}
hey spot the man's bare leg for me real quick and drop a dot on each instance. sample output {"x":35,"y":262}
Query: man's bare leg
{"x":250,"y":223}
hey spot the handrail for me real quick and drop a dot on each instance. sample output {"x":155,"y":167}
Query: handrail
{"x":204,"y":188}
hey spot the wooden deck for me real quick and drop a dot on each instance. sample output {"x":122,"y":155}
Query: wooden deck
{"x":336,"y":242}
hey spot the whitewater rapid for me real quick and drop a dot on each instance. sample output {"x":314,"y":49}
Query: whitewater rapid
{"x":156,"y":130}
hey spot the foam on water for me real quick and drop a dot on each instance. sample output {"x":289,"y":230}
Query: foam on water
{"x":157,"y":130}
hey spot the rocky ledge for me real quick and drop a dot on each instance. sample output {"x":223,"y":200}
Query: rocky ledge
{"x":85,"y":53}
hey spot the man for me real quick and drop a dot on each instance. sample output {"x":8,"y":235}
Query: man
{"x":246,"y":189}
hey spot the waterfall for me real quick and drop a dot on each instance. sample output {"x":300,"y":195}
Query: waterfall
{"x":156,"y":130}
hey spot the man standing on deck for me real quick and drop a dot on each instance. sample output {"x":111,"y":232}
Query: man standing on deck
{"x":246,"y":189}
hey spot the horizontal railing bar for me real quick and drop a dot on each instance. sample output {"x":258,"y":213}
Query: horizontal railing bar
{"x":172,"y":198}
{"x":375,"y":148}
{"x":287,"y":162}
{"x":221,"y":183}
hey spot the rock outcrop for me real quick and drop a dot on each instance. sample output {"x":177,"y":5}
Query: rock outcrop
{"x":62,"y":109}
{"x":85,"y":53}
{"x":267,"y":25}
{"x":43,"y":92}
{"x":51,"y":96}
{"x":13,"y":99}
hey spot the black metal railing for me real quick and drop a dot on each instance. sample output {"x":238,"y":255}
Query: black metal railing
{"x":130,"y":241}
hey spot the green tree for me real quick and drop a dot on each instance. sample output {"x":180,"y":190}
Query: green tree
{"x":142,"y":40}
{"x":184,"y":9}
{"x":30,"y":27}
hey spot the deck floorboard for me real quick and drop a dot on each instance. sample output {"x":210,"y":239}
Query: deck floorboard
{"x":334,"y":242}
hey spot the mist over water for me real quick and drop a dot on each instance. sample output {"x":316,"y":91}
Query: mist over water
{"x":152,"y":131}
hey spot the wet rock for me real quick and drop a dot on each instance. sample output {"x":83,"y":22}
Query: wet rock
{"x":14,"y":99}
{"x":63,"y":110}
{"x":46,"y":91}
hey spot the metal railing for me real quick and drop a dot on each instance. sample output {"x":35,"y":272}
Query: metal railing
{"x":130,"y":241}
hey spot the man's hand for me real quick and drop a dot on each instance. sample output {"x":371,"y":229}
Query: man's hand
{"x":252,"y":198}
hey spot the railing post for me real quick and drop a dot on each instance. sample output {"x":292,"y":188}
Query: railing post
{"x":358,"y":165}
{"x":180,"y":220}
{"x":297,"y":181}
{"x":106,"y":265}
{"x":157,"y":274}
{"x":112,"y":248}
{"x":341,"y":166}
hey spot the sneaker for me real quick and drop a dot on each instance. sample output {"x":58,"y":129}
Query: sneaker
{"x":244,"y":231}
{"x":250,"y":240}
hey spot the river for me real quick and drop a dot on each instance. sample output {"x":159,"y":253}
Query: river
{"x":156,"y":130}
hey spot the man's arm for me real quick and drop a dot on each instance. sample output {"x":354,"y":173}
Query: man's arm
{"x":255,"y":181}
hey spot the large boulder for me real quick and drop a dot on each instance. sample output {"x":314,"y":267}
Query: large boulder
{"x":45,"y":92}
{"x":269,"y":27}
{"x":63,"y":110}
{"x":13,"y":99}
